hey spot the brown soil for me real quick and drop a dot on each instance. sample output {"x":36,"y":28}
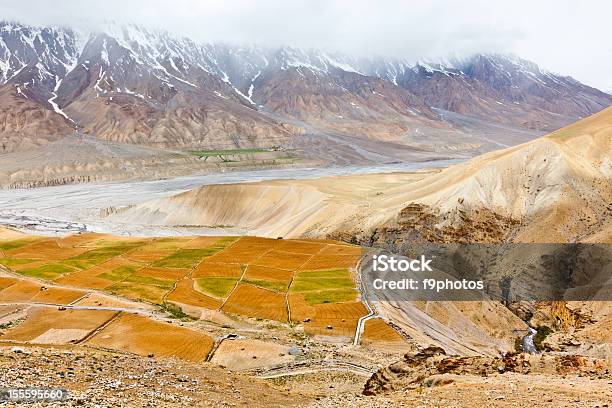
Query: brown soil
{"x":207,"y":268}
{"x":20,"y":291}
{"x":322,"y":262}
{"x":55,"y":295}
{"x":266,"y":273}
{"x":282,"y":260}
{"x":238,"y":355}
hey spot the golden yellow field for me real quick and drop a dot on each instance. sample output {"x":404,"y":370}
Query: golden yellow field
{"x":140,"y":335}
{"x":377,"y":330}
{"x":263,"y":278}
{"x":46,"y":325}
{"x":256,"y":302}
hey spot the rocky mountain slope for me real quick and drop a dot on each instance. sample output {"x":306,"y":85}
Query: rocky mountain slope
{"x":554,"y":189}
{"x":505,"y":89}
{"x":130,"y":84}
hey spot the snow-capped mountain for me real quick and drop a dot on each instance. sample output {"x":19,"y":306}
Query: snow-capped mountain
{"x":130,"y":84}
{"x":504,"y":88}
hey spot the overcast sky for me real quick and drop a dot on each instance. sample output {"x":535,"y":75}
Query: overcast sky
{"x":564,"y":36}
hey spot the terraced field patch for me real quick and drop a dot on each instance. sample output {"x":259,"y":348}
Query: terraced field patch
{"x":20,"y":291}
{"x":19,"y":263}
{"x":99,"y":255}
{"x":245,"y":250}
{"x":251,"y":301}
{"x":377,"y":331}
{"x":57,"y":296}
{"x":143,"y":336}
{"x":330,"y":319}
{"x":264,"y":278}
{"x":327,"y":286}
{"x":136,"y":268}
{"x":265,"y":273}
{"x":45,"y":249}
{"x":330,"y":261}
{"x":275,"y":285}
{"x":207,"y":268}
{"x":47,"y":272}
{"x":185,"y":294}
{"x":52,"y":326}
{"x":216,"y":286}
{"x":110,"y":330}
{"x":282,"y":260}
{"x":162,"y":273}
{"x":6,"y":281}
{"x":140,"y":292}
{"x":8,"y":245}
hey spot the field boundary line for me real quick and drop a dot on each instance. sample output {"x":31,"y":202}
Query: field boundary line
{"x":76,"y":270}
{"x":90,"y":291}
{"x":234,"y":288}
{"x":241,"y":277}
{"x":97,"y":330}
{"x":189,"y":273}
{"x":214,"y":349}
{"x":293,"y":277}
{"x":79,"y":299}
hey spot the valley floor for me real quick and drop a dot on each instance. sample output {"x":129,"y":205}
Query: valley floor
{"x":79,"y":207}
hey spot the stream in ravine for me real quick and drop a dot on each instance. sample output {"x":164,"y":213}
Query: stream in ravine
{"x":528,"y":342}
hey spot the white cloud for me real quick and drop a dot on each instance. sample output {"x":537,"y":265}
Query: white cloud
{"x":565,"y":36}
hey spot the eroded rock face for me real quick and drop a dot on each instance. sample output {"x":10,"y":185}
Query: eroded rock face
{"x":414,"y":370}
{"x":461,"y":225}
{"x":433,"y":367}
{"x":25,"y":124}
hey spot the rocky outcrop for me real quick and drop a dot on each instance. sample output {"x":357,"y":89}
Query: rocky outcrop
{"x":419,"y":222}
{"x":417,"y":370}
{"x":433,"y":367}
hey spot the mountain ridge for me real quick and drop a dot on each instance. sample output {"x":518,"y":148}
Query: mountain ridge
{"x":130,"y":84}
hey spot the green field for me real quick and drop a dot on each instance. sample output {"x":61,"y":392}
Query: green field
{"x":229,"y":152}
{"x":10,"y":262}
{"x":150,"y":281}
{"x":330,"y":286}
{"x":99,"y":255}
{"x":48,"y":272}
{"x":8,"y":245}
{"x":330,"y":296}
{"x":277,"y":286}
{"x":119,"y":273}
{"x":217,"y":286}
